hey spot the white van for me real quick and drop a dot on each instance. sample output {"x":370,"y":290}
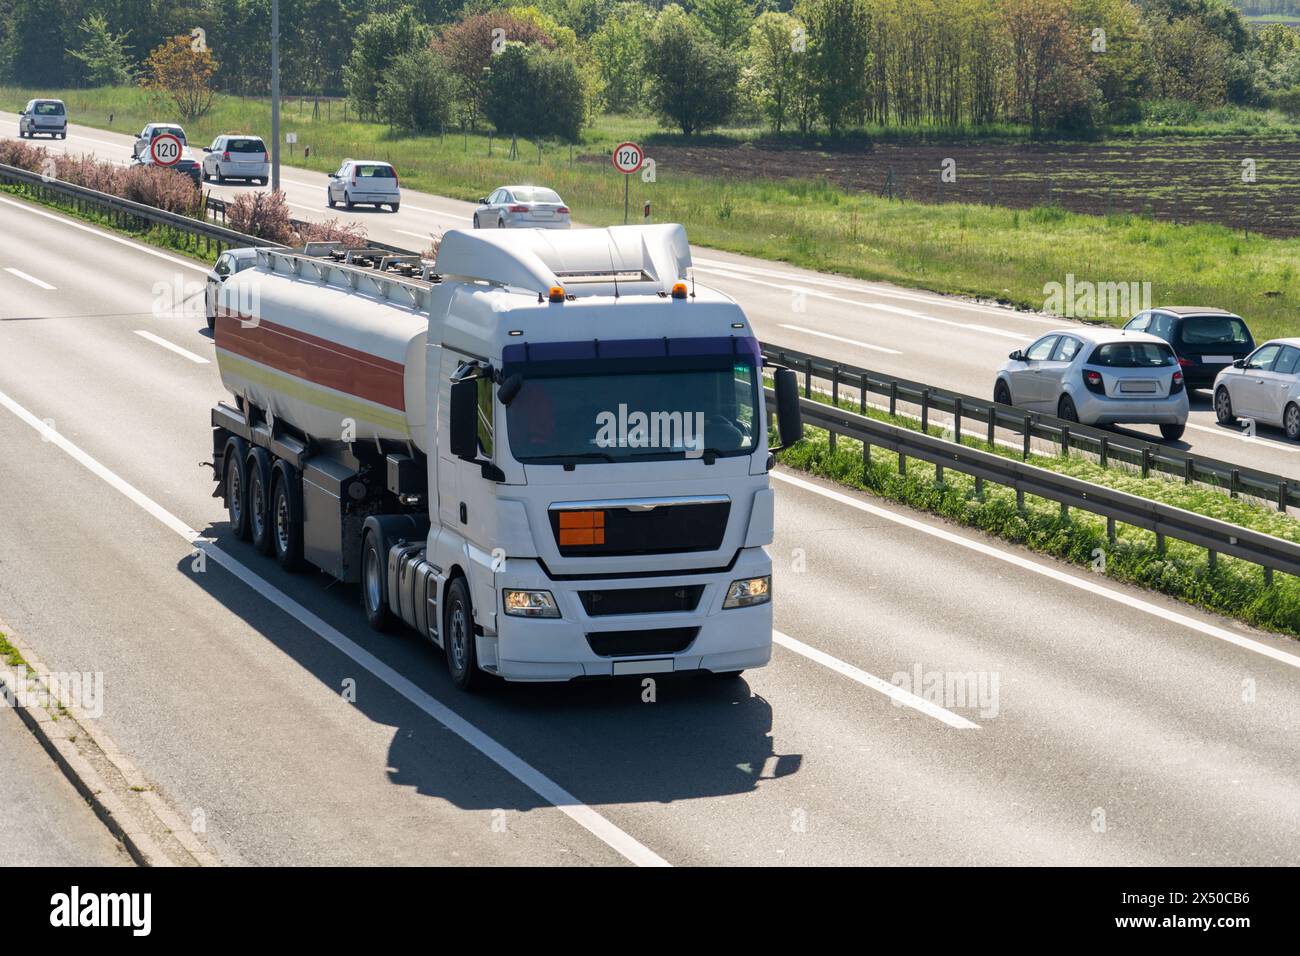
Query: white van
{"x":47,"y":117}
{"x":236,"y":157}
{"x":364,"y":181}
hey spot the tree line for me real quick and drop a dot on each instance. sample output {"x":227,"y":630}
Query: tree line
{"x":808,"y":66}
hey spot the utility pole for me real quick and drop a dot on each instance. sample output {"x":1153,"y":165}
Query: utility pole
{"x":275,"y":95}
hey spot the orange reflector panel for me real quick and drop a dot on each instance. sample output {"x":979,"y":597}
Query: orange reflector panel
{"x":582,"y":527}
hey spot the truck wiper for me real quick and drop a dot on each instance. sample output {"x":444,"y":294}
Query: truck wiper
{"x":568,"y":459}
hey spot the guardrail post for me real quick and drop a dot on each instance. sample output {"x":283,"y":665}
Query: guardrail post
{"x":979,"y":487}
{"x":1268,"y":576}
{"x":1212,"y":557}
{"x":893,"y":399}
{"x":1234,"y":482}
{"x":866,"y":460}
{"x":1160,"y":544}
{"x":1028,"y":427}
{"x":902,"y":463}
{"x":807,"y":379}
{"x":993,"y":424}
{"x":956,"y":421}
{"x":925,"y":411}
{"x":1065,"y":441}
{"x":835,"y":399}
{"x":1065,"y":511}
{"x":1146,"y":462}
{"x":938,"y":473}
{"x":1020,"y":499}
{"x":1189,"y":470}
{"x":1110,"y":531}
{"x":1104,"y":450}
{"x":1281,"y":496}
{"x":862,"y":400}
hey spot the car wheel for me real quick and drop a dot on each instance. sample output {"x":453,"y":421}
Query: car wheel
{"x":1001,"y":393}
{"x":395,"y":206}
{"x":329,"y":199}
{"x":458,"y":637}
{"x":220,"y":178}
{"x":374,"y":584}
{"x":1172,"y":432}
{"x":501,"y":223}
{"x":1291,"y":421}
{"x":347,"y":201}
{"x":1065,"y":409}
{"x":1223,"y":406}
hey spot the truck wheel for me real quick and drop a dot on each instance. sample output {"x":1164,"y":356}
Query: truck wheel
{"x":236,"y":504}
{"x":259,"y":504}
{"x":374,"y":584}
{"x":285,"y":530}
{"x":458,"y":637}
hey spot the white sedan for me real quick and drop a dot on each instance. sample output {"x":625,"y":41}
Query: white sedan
{"x":1263,"y":387}
{"x":522,"y":207}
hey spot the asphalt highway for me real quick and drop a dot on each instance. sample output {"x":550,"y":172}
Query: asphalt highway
{"x":1082,"y":722}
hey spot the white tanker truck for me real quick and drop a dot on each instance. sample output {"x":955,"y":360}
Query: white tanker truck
{"x":547,"y":451}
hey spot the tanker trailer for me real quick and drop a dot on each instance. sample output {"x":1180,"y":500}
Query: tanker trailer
{"x":546,"y":452}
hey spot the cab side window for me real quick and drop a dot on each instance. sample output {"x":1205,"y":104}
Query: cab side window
{"x":485,"y":442}
{"x":222,"y":268}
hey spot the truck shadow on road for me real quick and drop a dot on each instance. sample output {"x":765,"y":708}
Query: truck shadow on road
{"x":623,"y":740}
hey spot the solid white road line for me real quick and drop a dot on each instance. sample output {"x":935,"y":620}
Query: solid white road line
{"x":840,"y":338}
{"x":1271,"y":444}
{"x":1056,"y":574}
{"x":893,"y":691}
{"x":875,"y":306}
{"x":159,"y":340}
{"x":32,"y":279}
{"x":616,"y":839}
{"x":139,"y":247}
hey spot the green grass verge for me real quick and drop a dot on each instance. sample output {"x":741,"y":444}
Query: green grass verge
{"x":988,"y":252}
{"x":11,"y":655}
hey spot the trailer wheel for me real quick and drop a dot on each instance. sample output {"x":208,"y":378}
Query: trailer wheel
{"x":374,"y":584}
{"x":236,"y":504}
{"x":458,"y":637}
{"x":287,"y":532}
{"x":259,"y":502}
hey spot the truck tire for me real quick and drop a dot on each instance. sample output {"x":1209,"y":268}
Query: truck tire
{"x":259,"y":501}
{"x":236,"y":494}
{"x":374,"y":583}
{"x":458,"y":637}
{"x":286,"y":529}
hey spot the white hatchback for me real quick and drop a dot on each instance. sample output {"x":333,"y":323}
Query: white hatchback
{"x":364,"y":181}
{"x":1262,"y":387}
{"x":236,"y":157}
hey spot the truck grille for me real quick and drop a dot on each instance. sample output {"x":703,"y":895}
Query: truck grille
{"x":667,"y":640}
{"x":664,"y":529}
{"x":641,"y":600}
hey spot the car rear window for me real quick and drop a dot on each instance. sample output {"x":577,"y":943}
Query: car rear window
{"x":1133,"y":355}
{"x":1215,"y":330}
{"x":172,"y":130}
{"x":48,"y":109}
{"x":537,"y":194}
{"x":246,"y":146}
{"x":376,"y":172}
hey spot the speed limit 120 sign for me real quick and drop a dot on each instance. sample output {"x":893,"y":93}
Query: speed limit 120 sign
{"x":165,"y":150}
{"x":628,"y":157}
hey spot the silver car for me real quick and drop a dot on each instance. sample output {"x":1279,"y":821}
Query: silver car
{"x":228,"y":263}
{"x":1098,"y":377}
{"x":236,"y":157}
{"x":1262,"y":387}
{"x":522,"y":207}
{"x":140,"y":148}
{"x":47,"y":117}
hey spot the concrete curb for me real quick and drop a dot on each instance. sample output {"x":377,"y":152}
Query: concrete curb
{"x":128,"y":805}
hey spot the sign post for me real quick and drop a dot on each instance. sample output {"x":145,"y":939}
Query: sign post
{"x":628,"y":158}
{"x":165,"y":150}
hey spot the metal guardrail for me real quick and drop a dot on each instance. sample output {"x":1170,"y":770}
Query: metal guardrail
{"x":845,"y":380}
{"x":1166,"y":521}
{"x":217,"y":207}
{"x":125,"y":212}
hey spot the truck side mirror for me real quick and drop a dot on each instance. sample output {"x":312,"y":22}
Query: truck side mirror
{"x":463,"y":419}
{"x":509,"y":389}
{"x":789,"y":419}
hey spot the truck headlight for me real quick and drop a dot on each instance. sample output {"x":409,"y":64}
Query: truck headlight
{"x":530,"y":604}
{"x":749,"y":591}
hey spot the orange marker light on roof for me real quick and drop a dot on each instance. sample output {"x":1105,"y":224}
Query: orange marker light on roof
{"x":557,"y":293}
{"x":679,"y":290}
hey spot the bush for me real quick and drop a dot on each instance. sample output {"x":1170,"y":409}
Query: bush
{"x":534,"y":92}
{"x":350,"y":235}
{"x":694,"y":83}
{"x":264,"y":215}
{"x":162,"y":188}
{"x":416,"y":92}
{"x":23,"y":155}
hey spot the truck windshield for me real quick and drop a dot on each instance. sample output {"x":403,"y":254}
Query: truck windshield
{"x":668,"y":409}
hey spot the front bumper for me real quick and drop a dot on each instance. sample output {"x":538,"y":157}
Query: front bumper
{"x":558,"y":649}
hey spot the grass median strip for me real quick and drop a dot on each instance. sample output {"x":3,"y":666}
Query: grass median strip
{"x":1228,"y":586}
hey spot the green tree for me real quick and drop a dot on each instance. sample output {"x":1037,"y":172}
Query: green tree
{"x":618,"y":49}
{"x":776,"y":47}
{"x":416,"y":92}
{"x":102,"y":53}
{"x":727,"y":21}
{"x":838,"y":31}
{"x":693,"y":82}
{"x":1191,"y":62}
{"x":470,"y":45}
{"x":536,"y":92}
{"x":379,"y":39}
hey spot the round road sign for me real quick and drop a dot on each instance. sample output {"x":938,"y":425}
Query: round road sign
{"x":628,"y":157}
{"x":165,"y":150}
